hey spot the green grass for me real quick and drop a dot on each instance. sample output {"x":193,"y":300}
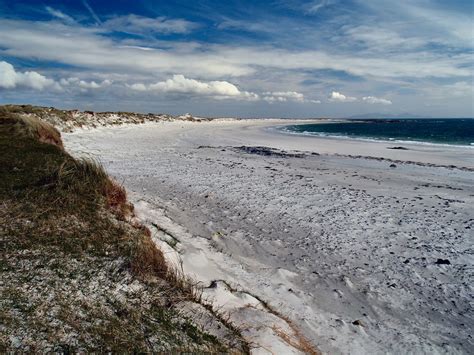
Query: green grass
{"x":76,"y":275}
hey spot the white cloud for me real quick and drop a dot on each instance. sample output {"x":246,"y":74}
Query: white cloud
{"x":88,"y":48}
{"x":85,"y":85}
{"x":59,"y":14}
{"x":181,"y":85}
{"x":434,"y":22}
{"x":456,"y":24}
{"x":338,"y":97}
{"x":380,"y":39}
{"x":138,"y":87}
{"x":285,"y":96}
{"x":135,"y":24}
{"x":376,"y":100}
{"x":11,"y":79}
{"x":91,"y":53}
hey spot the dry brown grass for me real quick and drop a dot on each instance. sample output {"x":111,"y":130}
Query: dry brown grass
{"x":147,"y":260}
{"x":40,"y":130}
{"x":45,"y":132}
{"x":298,"y":341}
{"x":116,"y":197}
{"x":189,"y":288}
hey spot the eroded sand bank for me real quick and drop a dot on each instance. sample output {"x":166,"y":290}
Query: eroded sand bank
{"x":353,"y":251}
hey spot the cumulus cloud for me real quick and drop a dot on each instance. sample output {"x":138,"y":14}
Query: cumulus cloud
{"x":11,"y":79}
{"x":140,"y":25}
{"x":181,"y":85}
{"x":138,"y":87}
{"x":85,"y":85}
{"x":376,"y":100}
{"x":338,"y":97}
{"x":283,"y":96}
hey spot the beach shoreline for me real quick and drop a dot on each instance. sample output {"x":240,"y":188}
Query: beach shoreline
{"x":343,"y":245}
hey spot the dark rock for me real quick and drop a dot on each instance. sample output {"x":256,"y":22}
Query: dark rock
{"x":443,"y":262}
{"x":213,"y":284}
{"x":398,"y":148}
{"x":393,"y":166}
{"x":266,"y":151}
{"x":358,"y":322}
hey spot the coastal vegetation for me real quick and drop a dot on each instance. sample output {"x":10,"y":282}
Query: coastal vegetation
{"x":70,"y":120}
{"x":79,"y":272}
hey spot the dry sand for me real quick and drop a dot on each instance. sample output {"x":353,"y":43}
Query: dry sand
{"x":345,"y":247}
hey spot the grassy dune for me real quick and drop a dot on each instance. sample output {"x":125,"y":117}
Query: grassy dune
{"x":70,"y":120}
{"x":78,"y":272}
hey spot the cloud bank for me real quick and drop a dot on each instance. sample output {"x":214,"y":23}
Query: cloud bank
{"x":179,"y":84}
{"x":11,"y":79}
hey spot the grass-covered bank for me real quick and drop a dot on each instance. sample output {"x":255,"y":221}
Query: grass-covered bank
{"x":77,"y":274}
{"x":70,"y":120}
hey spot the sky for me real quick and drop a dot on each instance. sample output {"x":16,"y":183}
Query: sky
{"x":239,"y":58}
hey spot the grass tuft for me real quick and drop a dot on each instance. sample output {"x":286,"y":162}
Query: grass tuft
{"x":146,"y":259}
{"x":116,"y":197}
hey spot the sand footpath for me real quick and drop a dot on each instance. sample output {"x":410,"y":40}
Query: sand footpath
{"x":362,"y":255}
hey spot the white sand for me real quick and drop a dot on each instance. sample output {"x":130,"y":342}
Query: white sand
{"x":325,"y":240}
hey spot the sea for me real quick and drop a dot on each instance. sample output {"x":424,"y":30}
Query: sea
{"x":451,"y":131}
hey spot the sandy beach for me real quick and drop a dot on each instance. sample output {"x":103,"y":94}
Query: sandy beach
{"x":367,"y":250}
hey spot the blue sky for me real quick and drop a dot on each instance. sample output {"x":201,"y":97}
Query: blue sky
{"x":282,"y":58}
